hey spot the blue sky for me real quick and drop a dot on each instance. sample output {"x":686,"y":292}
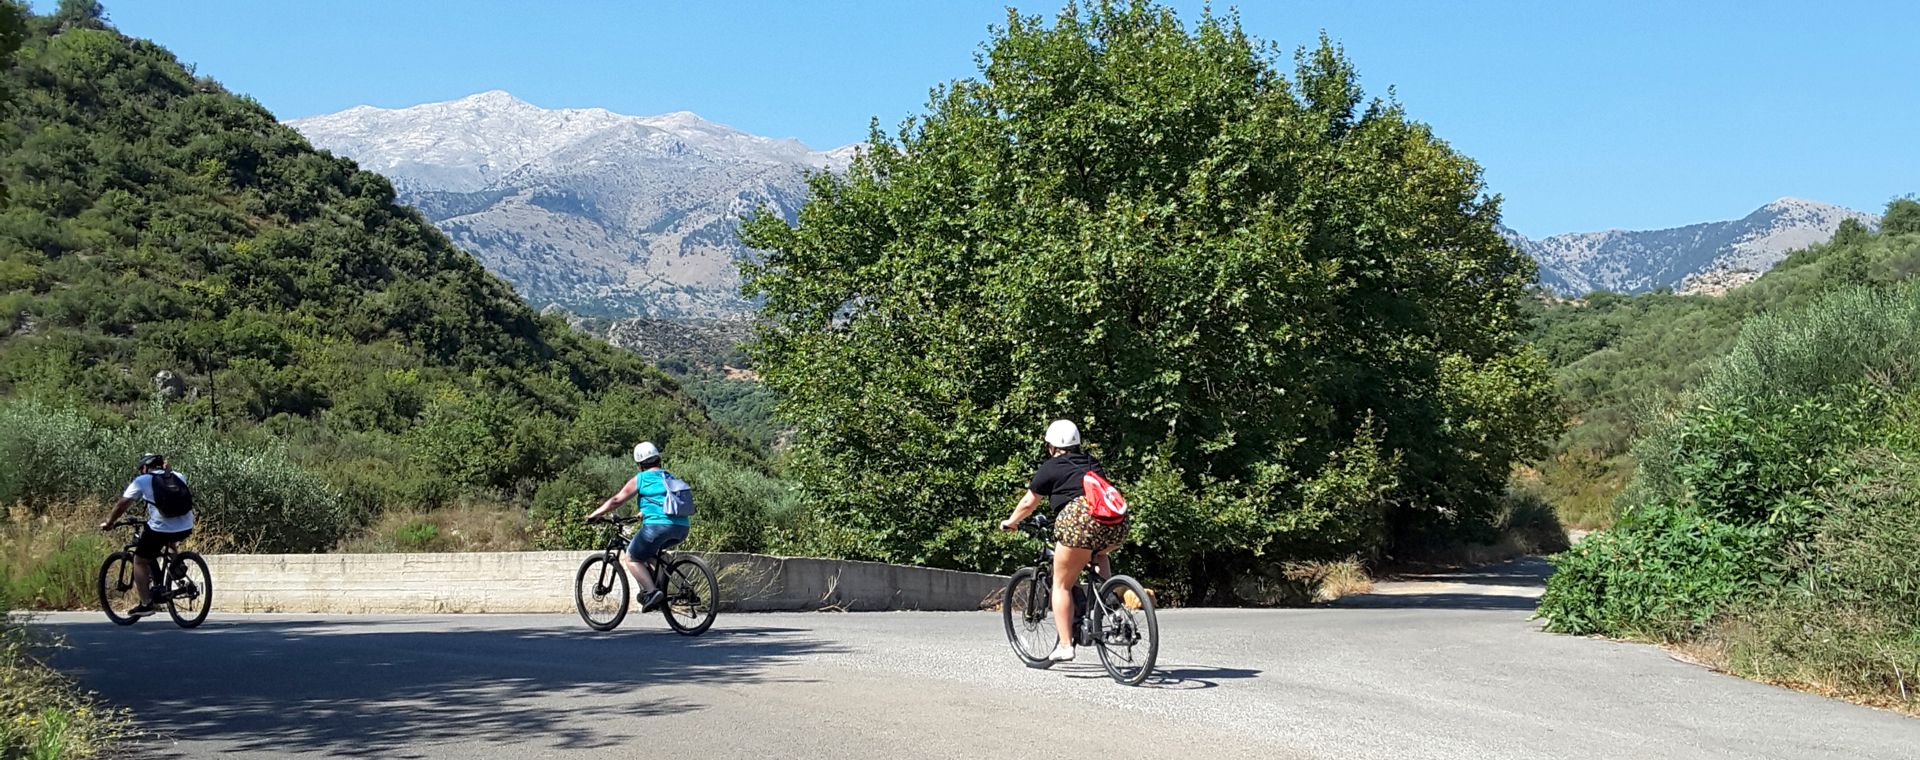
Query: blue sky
{"x":1618,"y":114}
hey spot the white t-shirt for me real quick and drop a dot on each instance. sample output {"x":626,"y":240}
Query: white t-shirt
{"x":142,"y":488}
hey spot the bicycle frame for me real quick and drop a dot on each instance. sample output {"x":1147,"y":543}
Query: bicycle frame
{"x":158,"y":579}
{"x":615,"y":549}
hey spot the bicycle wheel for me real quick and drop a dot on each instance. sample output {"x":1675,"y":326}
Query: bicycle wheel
{"x":600,"y":592}
{"x":189,"y":590}
{"x":1127,"y":634}
{"x":1027,"y":609}
{"x":693,"y":596}
{"x":117,"y":592}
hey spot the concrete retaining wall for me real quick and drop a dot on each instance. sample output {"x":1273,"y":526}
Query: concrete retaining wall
{"x":543,"y":582}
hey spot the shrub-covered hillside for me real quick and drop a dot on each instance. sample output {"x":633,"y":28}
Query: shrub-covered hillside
{"x":1620,"y":361}
{"x":171,"y":255}
{"x":1775,"y":515}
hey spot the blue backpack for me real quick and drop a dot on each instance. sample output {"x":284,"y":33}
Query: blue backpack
{"x":678,"y":501}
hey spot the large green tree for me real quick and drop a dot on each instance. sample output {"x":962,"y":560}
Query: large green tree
{"x":1280,"y":311}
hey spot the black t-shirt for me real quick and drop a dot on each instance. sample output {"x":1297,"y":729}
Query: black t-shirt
{"x":1058,"y":478}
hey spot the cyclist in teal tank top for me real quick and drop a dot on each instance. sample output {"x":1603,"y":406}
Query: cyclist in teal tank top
{"x":658,"y":530}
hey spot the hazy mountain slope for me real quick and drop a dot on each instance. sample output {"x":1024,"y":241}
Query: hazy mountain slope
{"x":1712,"y":255}
{"x":599,"y":212}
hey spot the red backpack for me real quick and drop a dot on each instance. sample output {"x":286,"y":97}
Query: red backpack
{"x":1104,"y":502}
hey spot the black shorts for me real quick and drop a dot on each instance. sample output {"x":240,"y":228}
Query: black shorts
{"x":148,"y":547}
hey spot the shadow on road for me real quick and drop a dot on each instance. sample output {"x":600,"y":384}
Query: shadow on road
{"x":1525,"y":571}
{"x":384,"y":689}
{"x":1514,"y":585}
{"x":1438,"y":601}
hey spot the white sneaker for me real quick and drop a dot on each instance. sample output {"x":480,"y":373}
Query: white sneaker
{"x":1062,"y":653}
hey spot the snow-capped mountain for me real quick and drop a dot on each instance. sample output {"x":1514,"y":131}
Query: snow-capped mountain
{"x":1712,"y":256}
{"x":599,"y":212}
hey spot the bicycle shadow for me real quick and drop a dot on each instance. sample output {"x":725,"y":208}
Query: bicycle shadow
{"x":1185,"y":678}
{"x":390,"y":688}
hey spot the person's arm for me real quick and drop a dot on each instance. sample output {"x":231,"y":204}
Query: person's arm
{"x":626,"y":492}
{"x":119,"y":508}
{"x":1021,"y":510}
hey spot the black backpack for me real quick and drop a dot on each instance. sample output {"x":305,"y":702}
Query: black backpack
{"x":170,"y":495}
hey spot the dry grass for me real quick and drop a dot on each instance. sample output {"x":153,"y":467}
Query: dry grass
{"x":745,"y":581}
{"x":455,"y":528}
{"x":49,"y":560}
{"x":1734,"y":647}
{"x":1330,"y":580}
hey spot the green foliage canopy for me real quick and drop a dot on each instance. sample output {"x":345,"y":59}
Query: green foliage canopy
{"x":1280,"y":312}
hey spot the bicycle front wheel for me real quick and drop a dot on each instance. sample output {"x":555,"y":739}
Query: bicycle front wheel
{"x":1127,"y":631}
{"x":189,"y":589}
{"x":1027,"y":609}
{"x":693,"y":596}
{"x":600,"y":592}
{"x":118,"y":595}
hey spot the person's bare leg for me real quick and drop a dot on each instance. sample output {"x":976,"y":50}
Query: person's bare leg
{"x":1103,"y":562}
{"x":1067,"y":564}
{"x":142,"y":575}
{"x":638,"y":571}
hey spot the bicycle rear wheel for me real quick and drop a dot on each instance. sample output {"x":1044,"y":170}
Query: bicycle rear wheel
{"x":1127,"y":632}
{"x":1027,"y":609}
{"x":693,"y":596}
{"x":600,"y":592}
{"x":117,"y":592}
{"x":189,"y":588}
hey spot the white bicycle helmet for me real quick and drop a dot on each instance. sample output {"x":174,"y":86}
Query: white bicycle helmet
{"x":645,"y":451}
{"x":1063,"y":434}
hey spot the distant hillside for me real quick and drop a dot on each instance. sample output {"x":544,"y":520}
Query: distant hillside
{"x":165,"y":240}
{"x":1621,"y":360}
{"x":1711,"y":257}
{"x":600,"y":213}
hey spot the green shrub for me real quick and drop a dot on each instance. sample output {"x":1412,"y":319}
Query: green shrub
{"x":739,"y":507}
{"x":248,"y":494}
{"x":416,"y":536}
{"x":1663,"y":572}
{"x":561,"y":505}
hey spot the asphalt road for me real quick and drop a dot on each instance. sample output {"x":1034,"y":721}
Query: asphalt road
{"x":1450,"y":668}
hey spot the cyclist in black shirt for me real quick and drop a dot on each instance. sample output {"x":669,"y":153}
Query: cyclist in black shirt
{"x":1081,"y":539}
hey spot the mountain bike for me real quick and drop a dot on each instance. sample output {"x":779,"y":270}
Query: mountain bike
{"x":1113,"y":615}
{"x":180,"y":581}
{"x":601,"y":592}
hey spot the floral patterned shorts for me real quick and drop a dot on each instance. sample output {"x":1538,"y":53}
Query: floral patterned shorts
{"x":1076,"y":528}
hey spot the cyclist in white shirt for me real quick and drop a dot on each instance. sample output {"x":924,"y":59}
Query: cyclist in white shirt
{"x":169,"y":520}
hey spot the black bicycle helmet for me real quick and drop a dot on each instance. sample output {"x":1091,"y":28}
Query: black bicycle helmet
{"x":151,"y":461}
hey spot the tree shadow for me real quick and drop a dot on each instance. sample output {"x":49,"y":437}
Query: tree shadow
{"x":1437,"y":601}
{"x":1447,"y":592}
{"x":386,"y":688}
{"x":1525,"y":571}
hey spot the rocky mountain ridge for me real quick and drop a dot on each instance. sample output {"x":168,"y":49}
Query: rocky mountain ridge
{"x":1706,"y":257}
{"x":598,"y":212}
